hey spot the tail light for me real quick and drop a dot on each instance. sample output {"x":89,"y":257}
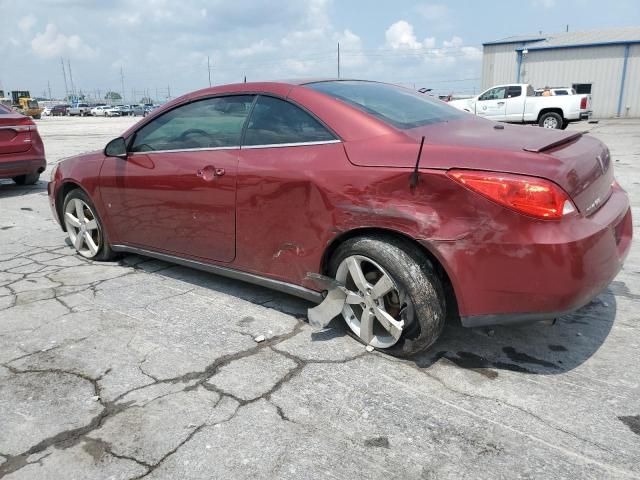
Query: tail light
{"x":531,"y":196}
{"x":24,"y":124}
{"x":583,"y":103}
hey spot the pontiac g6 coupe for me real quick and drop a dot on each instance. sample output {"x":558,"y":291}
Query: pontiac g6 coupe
{"x":411,"y":207}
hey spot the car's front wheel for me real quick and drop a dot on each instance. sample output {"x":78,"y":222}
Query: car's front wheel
{"x":396,"y":301}
{"x":85,"y":230}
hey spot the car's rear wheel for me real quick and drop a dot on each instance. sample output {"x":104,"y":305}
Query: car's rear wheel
{"x":551,"y":120}
{"x":396,"y":301}
{"x":85,"y":230}
{"x":28,"y":179}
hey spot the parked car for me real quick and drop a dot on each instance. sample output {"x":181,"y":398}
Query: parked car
{"x":79,"y":109}
{"x":555,"y":91}
{"x":46,"y":111}
{"x":305,"y":187}
{"x":517,"y":103}
{"x":21,"y":149}
{"x":59,"y":110}
{"x":105,"y":111}
{"x":143,"y":110}
{"x":124,"y":110}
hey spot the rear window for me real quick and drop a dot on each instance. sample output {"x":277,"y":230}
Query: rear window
{"x":397,"y":106}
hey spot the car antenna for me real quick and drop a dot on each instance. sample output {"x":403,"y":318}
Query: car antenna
{"x":414,"y":176}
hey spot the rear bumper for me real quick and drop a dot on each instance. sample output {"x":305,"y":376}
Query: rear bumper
{"x":586,"y":115}
{"x":13,"y":168}
{"x":540,"y":270}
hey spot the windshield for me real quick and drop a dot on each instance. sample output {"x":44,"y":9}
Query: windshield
{"x":400,"y":107}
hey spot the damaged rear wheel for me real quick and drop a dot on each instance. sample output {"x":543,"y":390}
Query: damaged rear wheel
{"x":397,"y":301}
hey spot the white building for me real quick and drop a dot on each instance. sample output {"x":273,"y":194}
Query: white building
{"x":605,"y":63}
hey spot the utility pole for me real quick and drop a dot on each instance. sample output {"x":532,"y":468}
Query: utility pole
{"x":209,"y":69}
{"x":64,"y":75}
{"x":73,"y":89}
{"x":122,"y":83}
{"x":49,"y":88}
{"x":168,"y":92}
{"x":338,"y":59}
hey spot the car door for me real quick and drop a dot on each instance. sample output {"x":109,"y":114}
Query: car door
{"x":491,"y":104}
{"x":176,"y":190}
{"x":280,"y":208}
{"x":515,"y":100}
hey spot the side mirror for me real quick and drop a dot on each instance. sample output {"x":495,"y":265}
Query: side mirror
{"x":116,"y":148}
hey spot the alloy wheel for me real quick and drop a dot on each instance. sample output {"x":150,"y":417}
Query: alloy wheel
{"x":375,"y":308}
{"x":550,"y":122}
{"x":82,"y":227}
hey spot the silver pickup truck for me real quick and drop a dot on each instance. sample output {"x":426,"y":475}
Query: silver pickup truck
{"x":79,"y":109}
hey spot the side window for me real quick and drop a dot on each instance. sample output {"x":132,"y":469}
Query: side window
{"x":274,"y":121}
{"x":209,"y":123}
{"x":494,"y":94}
{"x":561,"y":92}
{"x":514,"y":91}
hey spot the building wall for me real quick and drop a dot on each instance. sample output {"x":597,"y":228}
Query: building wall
{"x":498,"y":64}
{"x":601,"y":66}
{"x":631,"y":96}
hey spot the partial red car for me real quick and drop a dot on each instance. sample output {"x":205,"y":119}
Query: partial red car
{"x":21,"y":149}
{"x":411,"y":208}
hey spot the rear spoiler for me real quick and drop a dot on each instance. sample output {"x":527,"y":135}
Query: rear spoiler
{"x":557,"y":143}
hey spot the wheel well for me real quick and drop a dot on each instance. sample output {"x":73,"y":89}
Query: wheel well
{"x":63,"y":191}
{"x":550,"y":110}
{"x":450,"y":296}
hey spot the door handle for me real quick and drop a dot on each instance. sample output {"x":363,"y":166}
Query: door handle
{"x":209,"y":172}
{"x":500,"y":103}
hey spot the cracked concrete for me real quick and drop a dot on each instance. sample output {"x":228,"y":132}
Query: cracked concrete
{"x":143,"y":369}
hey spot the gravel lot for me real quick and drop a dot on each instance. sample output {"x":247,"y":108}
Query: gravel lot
{"x":143,"y":369}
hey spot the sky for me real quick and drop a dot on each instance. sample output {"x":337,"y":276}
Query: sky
{"x":160,"y":47}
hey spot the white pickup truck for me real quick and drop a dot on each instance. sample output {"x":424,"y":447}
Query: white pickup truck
{"x":517,"y":103}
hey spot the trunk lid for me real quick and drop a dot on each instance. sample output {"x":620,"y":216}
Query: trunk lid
{"x":15,"y":133}
{"x":581,"y":165}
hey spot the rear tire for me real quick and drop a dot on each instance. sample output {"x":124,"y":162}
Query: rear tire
{"x":415,"y":299}
{"x":84,"y":227}
{"x":28,"y":179}
{"x":551,"y":120}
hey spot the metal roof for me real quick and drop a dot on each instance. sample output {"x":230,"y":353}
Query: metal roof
{"x":613,"y":36}
{"x":517,"y":39}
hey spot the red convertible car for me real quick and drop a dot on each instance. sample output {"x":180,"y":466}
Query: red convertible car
{"x":411,"y":207}
{"x":21,"y":149}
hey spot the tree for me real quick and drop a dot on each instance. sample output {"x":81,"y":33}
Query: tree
{"x":144,"y":100}
{"x":113,"y":96}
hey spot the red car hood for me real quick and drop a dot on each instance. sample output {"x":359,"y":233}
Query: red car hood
{"x":566,"y":158}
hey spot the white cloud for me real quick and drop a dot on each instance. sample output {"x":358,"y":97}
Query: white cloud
{"x":127,"y":19}
{"x":27,"y":23}
{"x":52,"y":43}
{"x":400,"y":36}
{"x":256,"y":48}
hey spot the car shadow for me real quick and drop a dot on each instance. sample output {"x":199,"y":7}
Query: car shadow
{"x":9,"y":189}
{"x":536,"y":348}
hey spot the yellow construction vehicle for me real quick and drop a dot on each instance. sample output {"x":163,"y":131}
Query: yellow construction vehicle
{"x":22,"y":102}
